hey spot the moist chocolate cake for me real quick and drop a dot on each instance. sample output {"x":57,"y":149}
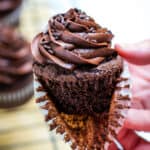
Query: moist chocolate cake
{"x":15,"y":68}
{"x":87,"y":131}
{"x":9,"y":10}
{"x":75,"y":63}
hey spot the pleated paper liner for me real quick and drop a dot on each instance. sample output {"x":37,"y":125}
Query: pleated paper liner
{"x":85,"y":132}
{"x":16,"y":97}
{"x":119,"y":106}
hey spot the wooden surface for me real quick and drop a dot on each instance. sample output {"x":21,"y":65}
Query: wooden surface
{"x":23,"y":128}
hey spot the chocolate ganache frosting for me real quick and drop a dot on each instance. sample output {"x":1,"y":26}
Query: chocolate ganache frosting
{"x":15,"y":57}
{"x":6,"y":6}
{"x":71,"y":40}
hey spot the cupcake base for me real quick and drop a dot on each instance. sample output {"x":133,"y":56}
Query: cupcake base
{"x":87,"y":131}
{"x":17,"y":96}
{"x":87,"y":89}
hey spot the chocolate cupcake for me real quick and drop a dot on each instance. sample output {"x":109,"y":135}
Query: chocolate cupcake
{"x":16,"y":85}
{"x":76,"y":72}
{"x":76,"y":64}
{"x":10,"y":11}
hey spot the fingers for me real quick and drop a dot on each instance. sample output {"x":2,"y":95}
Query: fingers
{"x":143,"y":146}
{"x":112,"y":146}
{"x":130,"y":141}
{"x":138,"y":53}
{"x":125,"y":135}
{"x":138,"y":119}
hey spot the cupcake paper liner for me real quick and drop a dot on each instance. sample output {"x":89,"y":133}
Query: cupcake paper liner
{"x":83,"y":131}
{"x":17,"y":97}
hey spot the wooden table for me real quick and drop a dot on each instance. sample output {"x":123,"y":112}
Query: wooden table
{"x":23,"y":128}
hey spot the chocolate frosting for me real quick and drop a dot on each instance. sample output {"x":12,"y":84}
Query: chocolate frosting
{"x":72,"y":39}
{"x":8,"y":5}
{"x":15,"y":58}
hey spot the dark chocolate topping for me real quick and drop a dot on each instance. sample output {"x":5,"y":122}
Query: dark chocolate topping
{"x":15,"y":58}
{"x":7,"y":5}
{"x":73,"y":39}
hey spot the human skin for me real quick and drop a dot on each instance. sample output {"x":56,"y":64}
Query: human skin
{"x":138,"y":118}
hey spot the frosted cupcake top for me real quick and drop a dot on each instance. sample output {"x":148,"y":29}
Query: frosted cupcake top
{"x":73,"y":39}
{"x":15,"y":56}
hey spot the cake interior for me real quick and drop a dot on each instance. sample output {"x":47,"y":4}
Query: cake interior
{"x":80,"y":91}
{"x":99,"y":129}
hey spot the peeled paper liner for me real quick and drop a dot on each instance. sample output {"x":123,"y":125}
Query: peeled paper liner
{"x":17,"y":97}
{"x":85,"y":132}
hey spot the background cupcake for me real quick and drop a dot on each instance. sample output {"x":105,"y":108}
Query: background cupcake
{"x":10,"y":12}
{"x":15,"y":68}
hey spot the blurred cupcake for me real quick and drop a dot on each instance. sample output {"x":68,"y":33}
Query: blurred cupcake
{"x":15,"y":68}
{"x":10,"y":12}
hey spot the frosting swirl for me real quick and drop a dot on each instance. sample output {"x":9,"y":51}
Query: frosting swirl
{"x":15,"y":58}
{"x":6,"y":6}
{"x":73,"y":39}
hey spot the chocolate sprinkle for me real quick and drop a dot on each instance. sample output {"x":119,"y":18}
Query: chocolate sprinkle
{"x":67,"y":34}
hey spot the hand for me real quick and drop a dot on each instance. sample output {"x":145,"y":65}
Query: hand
{"x":138,"y":57}
{"x":138,"y":118}
{"x":130,"y":141}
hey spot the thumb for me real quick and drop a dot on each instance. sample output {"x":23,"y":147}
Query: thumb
{"x":138,"y":119}
{"x":138,"y":53}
